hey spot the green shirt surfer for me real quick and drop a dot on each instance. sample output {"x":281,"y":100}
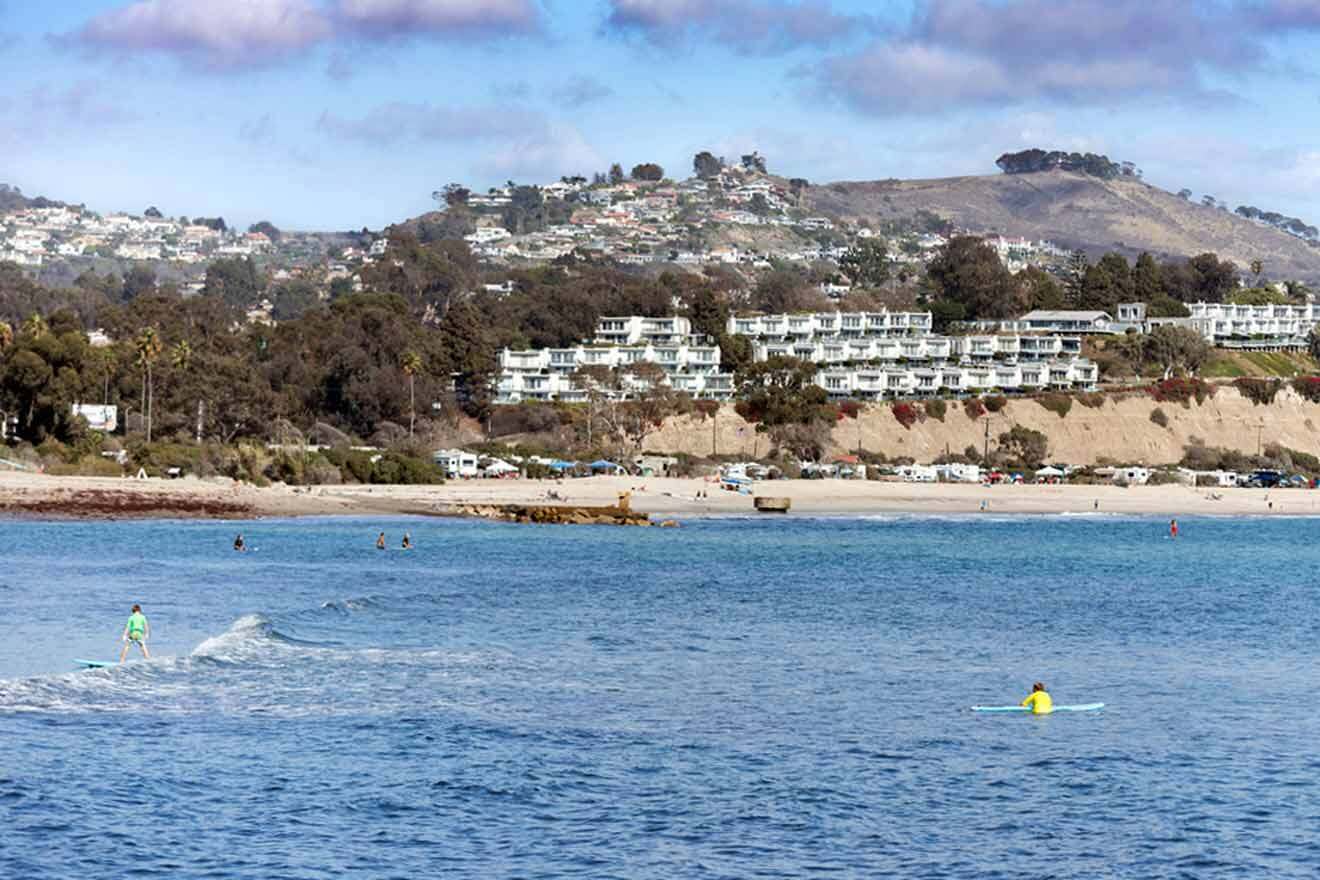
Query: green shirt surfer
{"x":136,"y":632}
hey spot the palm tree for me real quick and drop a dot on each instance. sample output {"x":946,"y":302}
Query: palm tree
{"x":35,"y":326}
{"x":411,"y":363}
{"x":181,"y":358}
{"x":149,"y":347}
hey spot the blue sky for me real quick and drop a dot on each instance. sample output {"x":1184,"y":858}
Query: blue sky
{"x":334,"y":114}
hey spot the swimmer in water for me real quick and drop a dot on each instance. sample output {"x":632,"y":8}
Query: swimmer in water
{"x":407,"y":541}
{"x":239,"y":545}
{"x":1039,"y":701}
{"x":380,"y":541}
{"x":1173,"y":528}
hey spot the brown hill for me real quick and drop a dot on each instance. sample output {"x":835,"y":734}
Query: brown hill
{"x":1076,"y":211}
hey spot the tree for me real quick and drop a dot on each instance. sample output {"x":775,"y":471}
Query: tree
{"x":754,"y":161}
{"x":291,"y":298}
{"x":138,"y":280}
{"x":411,"y":364}
{"x":1106,"y":284}
{"x":648,"y":171}
{"x":784,"y":290}
{"x":867,"y":262}
{"x":1074,"y":284}
{"x":1041,"y":288}
{"x":1024,"y":446}
{"x":706,"y":166}
{"x":452,"y":195}
{"x":268,"y":229}
{"x":233,"y":280}
{"x":1147,"y":282}
{"x":1172,"y":348}
{"x":152,"y":213}
{"x":968,"y":271}
{"x":1213,"y":279}
{"x":149,"y":346}
{"x":1185,"y":194}
{"x":780,"y":391}
{"x":616,"y":174}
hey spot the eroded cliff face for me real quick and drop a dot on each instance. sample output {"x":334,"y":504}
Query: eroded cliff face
{"x":1120,"y":430}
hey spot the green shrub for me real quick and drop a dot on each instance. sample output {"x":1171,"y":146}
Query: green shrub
{"x":995,"y":402}
{"x":1159,"y":417}
{"x":1058,"y":403}
{"x":936,"y":409}
{"x":1092,"y":399}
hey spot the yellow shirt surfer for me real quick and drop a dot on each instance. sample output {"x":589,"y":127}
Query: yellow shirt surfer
{"x":1039,"y":701}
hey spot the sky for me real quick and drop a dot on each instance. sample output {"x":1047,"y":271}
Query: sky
{"x":340,"y":114}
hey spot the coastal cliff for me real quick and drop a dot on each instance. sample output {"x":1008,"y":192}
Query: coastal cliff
{"x":1119,"y":429}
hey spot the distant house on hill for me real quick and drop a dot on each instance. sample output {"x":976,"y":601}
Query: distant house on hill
{"x":1067,"y":321}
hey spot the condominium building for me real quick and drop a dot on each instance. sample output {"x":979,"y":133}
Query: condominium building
{"x":1236,"y":326}
{"x":868,"y":355}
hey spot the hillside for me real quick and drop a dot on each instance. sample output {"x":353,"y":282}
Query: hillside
{"x":1075,"y":211}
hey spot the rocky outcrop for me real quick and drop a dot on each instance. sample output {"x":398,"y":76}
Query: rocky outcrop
{"x":612,"y":515}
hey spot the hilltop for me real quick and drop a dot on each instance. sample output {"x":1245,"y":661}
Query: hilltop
{"x":1075,"y":211}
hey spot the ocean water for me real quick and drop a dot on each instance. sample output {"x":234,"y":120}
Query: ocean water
{"x":737,"y":698}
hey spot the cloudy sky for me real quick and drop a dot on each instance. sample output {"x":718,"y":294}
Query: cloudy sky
{"x":349,"y":113}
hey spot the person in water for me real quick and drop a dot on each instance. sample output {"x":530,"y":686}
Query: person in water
{"x":380,"y":541}
{"x":239,"y":545}
{"x":1173,"y":528}
{"x":1039,"y":701}
{"x":136,"y":632}
{"x":407,"y":541}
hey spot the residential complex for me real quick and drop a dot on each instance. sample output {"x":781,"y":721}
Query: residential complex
{"x":864,"y":355}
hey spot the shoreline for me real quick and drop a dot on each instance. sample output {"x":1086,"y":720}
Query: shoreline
{"x":38,"y":496}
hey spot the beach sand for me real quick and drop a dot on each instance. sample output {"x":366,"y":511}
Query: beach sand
{"x":42,"y":495}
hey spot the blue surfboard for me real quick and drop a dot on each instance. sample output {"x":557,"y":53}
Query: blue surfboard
{"x":96,"y":664}
{"x":1082,"y":707}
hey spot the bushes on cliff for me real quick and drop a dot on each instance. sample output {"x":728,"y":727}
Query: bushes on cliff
{"x":995,"y":402}
{"x":1308,"y":387}
{"x":936,"y":409}
{"x":1159,"y":417}
{"x":906,"y":413}
{"x":974,"y":408}
{"x":1181,"y":390}
{"x":1056,"y":402}
{"x":1258,"y":391}
{"x":1023,"y":446}
{"x":850,"y":409}
{"x":1092,"y":399}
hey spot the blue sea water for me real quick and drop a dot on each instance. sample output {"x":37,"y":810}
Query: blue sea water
{"x":737,"y":698}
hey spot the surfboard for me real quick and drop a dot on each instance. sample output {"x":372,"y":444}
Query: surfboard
{"x":96,"y":664}
{"x":1082,"y":707}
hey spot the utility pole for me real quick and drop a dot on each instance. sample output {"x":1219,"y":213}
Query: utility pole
{"x":985,"y":456}
{"x":714,"y":437}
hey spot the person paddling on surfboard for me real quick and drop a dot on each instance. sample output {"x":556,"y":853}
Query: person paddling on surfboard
{"x":1039,"y":701}
{"x":136,"y":632}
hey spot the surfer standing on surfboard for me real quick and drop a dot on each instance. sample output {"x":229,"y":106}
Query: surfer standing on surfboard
{"x":136,"y":632}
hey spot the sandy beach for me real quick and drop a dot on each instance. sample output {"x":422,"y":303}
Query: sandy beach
{"x":41,"y":495}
